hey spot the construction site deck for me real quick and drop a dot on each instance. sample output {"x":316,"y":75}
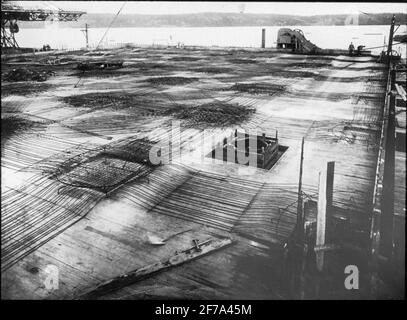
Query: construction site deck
{"x":79,"y":192}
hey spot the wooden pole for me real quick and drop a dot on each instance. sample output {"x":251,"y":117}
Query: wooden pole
{"x":298,"y":247}
{"x":300,"y":222}
{"x":87,"y":35}
{"x":263,"y":38}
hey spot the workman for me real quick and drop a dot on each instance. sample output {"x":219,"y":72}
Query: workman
{"x":360,"y":48}
{"x":351,"y":49}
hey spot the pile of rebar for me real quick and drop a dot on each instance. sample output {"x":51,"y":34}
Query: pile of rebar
{"x":19,"y":74}
{"x":242,"y":61}
{"x":172,"y":81}
{"x":115,"y":101}
{"x":258,"y":88}
{"x":24,"y":89}
{"x":13,"y":124}
{"x":136,"y":151}
{"x":217,"y":114}
{"x":212,"y":70}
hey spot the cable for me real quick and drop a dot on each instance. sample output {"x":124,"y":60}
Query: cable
{"x":114,"y":19}
{"x":111,"y":23}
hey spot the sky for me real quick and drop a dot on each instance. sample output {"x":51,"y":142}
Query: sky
{"x":173,"y":7}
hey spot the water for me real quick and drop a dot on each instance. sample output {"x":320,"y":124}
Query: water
{"x":329,"y":37}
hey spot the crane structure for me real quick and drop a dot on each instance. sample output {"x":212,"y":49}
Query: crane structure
{"x":295,"y":41}
{"x":11,"y":13}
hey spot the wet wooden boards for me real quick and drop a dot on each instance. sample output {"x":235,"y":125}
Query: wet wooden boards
{"x":143,"y":272}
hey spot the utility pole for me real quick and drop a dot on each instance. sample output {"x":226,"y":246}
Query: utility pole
{"x":86,"y":31}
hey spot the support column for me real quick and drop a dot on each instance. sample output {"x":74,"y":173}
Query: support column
{"x":393,"y":79}
{"x":330,"y":186}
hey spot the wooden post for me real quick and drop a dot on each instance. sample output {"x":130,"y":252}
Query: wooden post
{"x":87,"y":36}
{"x":263,"y":38}
{"x":393,"y":79}
{"x":321,"y":219}
{"x":330,"y":171}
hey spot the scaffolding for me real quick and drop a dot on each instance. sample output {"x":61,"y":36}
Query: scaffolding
{"x":11,"y":14}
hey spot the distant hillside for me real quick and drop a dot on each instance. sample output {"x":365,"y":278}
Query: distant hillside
{"x":219,"y":20}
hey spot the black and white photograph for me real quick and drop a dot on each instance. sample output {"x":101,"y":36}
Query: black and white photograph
{"x":203,"y":151}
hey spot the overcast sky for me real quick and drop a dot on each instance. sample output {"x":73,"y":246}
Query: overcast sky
{"x":147,"y":7}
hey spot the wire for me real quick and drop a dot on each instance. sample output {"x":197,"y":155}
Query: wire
{"x":111,"y":23}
